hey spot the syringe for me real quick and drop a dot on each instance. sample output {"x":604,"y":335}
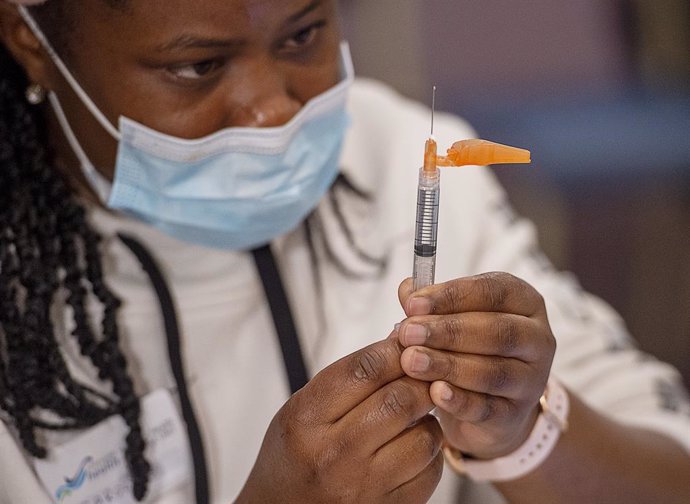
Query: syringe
{"x":426,"y":228}
{"x":464,"y":152}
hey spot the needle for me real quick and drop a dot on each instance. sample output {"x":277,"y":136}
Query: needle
{"x":433,"y":108}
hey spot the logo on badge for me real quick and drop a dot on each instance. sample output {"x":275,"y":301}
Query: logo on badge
{"x":74,"y":482}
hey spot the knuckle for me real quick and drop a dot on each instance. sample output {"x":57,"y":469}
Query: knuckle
{"x":325,"y":460}
{"x":525,"y":290}
{"x":451,"y":369}
{"x":369,"y":365}
{"x":512,"y":409}
{"x":397,"y":401}
{"x":538,"y":298}
{"x":498,"y":376}
{"x":461,"y":403}
{"x":494,"y":286}
{"x":507,"y":333}
{"x":298,"y":412}
{"x":323,"y":474}
{"x":430,"y":437}
{"x":542,"y":338}
{"x":551,"y":341}
{"x":324,"y":467}
{"x":288,"y":433}
{"x":453,"y":330}
{"x":488,"y":409}
{"x":452,"y":296}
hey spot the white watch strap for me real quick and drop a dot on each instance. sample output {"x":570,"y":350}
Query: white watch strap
{"x":552,"y":421}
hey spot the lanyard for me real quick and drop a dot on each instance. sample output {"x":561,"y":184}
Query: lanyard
{"x":282,"y":318}
{"x":285,"y":330}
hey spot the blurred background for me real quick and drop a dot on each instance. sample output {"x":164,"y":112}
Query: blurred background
{"x":599,"y":91}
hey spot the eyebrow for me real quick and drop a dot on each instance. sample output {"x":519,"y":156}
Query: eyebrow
{"x":188,"y":41}
{"x":306,"y":10}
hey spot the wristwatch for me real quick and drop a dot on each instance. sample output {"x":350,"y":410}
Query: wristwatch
{"x":551,"y":423}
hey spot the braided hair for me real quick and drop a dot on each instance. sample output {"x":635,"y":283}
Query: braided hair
{"x":48,"y":249}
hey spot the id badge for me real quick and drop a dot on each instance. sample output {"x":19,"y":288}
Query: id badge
{"x":91,"y":469}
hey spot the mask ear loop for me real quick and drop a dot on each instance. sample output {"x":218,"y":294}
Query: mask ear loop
{"x":98,"y":182}
{"x":101,"y":186}
{"x":88,"y":103}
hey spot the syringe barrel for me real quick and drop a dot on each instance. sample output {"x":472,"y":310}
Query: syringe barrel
{"x":423,"y":271}
{"x":426,"y":228}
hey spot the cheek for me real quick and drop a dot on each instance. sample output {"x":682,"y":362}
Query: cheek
{"x":308,"y":81}
{"x":177,"y":112}
{"x":305,"y":85}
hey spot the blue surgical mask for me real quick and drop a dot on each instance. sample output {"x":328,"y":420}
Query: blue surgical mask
{"x":235,"y":189}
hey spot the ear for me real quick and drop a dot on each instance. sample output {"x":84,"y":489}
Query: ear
{"x":23,"y":45}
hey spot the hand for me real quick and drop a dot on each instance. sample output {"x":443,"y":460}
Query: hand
{"x":358,"y":432}
{"x":485,"y":344}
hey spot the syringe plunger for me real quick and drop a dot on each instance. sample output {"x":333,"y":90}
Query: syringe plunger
{"x":426,"y":228}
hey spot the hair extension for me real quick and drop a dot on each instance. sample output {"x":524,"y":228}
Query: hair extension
{"x":47,"y":246}
{"x":343,"y":182}
{"x":315,"y":233}
{"x":314,"y":227}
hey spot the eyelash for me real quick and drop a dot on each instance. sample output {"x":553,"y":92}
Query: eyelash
{"x":201,"y":68}
{"x":310,"y":31}
{"x":204,"y":68}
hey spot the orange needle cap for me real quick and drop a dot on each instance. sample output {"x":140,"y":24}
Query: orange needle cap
{"x":482,"y":152}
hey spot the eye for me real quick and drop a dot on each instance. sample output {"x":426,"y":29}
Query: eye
{"x":195,"y":71}
{"x":304,"y":37}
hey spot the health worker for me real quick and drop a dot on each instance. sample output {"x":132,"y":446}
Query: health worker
{"x":206,"y":226}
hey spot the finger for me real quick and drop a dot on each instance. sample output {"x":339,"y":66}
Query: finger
{"x":467,"y":406}
{"x":483,"y":333}
{"x":405,"y":289}
{"x":421,"y":487}
{"x":407,"y":455}
{"x":346,"y":383}
{"x":510,"y":378}
{"x":489,"y":292}
{"x":385,"y":414}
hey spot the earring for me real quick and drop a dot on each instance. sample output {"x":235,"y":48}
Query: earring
{"x":35,"y":94}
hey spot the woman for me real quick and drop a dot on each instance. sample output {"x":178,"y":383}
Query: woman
{"x":149,"y":152}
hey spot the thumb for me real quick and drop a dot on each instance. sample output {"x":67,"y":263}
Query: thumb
{"x":404,"y":291}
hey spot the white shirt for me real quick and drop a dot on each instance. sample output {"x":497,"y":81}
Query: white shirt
{"x":235,"y":372}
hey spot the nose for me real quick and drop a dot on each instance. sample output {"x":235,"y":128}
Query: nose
{"x":272,"y":111}
{"x":265,"y":100}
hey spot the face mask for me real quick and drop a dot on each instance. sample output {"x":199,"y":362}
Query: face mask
{"x":235,"y":189}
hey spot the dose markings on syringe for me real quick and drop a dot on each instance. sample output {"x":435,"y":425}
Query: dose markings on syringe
{"x":427,"y":219}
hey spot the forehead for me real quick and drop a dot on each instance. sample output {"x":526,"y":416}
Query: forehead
{"x":143,"y":21}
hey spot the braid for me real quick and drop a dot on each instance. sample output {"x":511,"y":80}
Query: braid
{"x":314,"y":227}
{"x":47,"y":245}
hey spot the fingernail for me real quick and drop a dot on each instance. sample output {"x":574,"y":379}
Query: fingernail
{"x":415,"y":334}
{"x":420,"y":362}
{"x":446,"y":392}
{"x":419,"y":306}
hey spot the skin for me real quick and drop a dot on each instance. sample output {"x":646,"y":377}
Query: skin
{"x":235,"y":63}
{"x":488,"y":341}
{"x":360,"y":430}
{"x":485,"y":345}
